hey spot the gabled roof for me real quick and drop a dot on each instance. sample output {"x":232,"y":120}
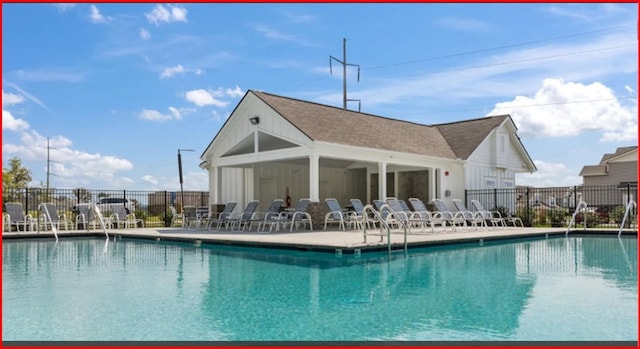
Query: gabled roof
{"x":465,"y":136}
{"x":336,"y":125}
{"x":593,"y":170}
{"x":619,"y":152}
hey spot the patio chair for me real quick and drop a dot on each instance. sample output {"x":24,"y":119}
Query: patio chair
{"x":15,"y":217}
{"x":176,"y":218}
{"x":473,"y":218}
{"x":336,"y":214}
{"x":269,"y":216}
{"x":244,"y":218}
{"x":453,"y":218}
{"x":120,"y":217}
{"x":298,"y":216}
{"x":410,"y":217}
{"x":494,"y":217}
{"x":220,"y":218}
{"x":86,"y":216}
{"x":358,"y":214}
{"x":386,"y":214}
{"x":432,"y":218}
{"x":49,"y":216}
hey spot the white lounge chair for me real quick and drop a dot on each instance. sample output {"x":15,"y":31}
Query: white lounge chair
{"x":15,"y":217}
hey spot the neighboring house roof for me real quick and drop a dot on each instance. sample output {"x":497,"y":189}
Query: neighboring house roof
{"x":619,"y":152}
{"x":336,"y":125}
{"x":594,"y":170}
{"x":602,"y":168}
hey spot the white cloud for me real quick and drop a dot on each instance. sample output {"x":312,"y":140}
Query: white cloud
{"x":203,"y":98}
{"x":63,"y":7}
{"x":150,"y":179}
{"x":169,"y":72}
{"x":235,"y":92}
{"x":144,"y":34}
{"x":96,"y":17}
{"x":549,"y":175}
{"x":561,"y":109}
{"x":11,"y":98}
{"x":73,"y":168}
{"x":154,"y":115}
{"x":9,"y":122}
{"x":461,"y":24}
{"x":167,"y":14}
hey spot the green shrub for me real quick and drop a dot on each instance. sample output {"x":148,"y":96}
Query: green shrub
{"x":556,"y":217}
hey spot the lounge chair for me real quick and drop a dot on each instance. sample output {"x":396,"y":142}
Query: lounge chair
{"x":176,"y":218}
{"x":453,"y":218}
{"x":335,"y":215}
{"x":244,"y":218}
{"x":269,"y":217}
{"x":15,"y":217}
{"x":85,"y":216}
{"x":432,"y":218}
{"x":412,"y":218}
{"x":495,"y":217}
{"x":50,"y":217}
{"x":473,"y":218}
{"x":221,"y":218}
{"x":120,"y":217}
{"x":298,"y":216}
{"x":358,"y":215}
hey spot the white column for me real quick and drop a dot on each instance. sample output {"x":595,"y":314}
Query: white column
{"x":382,"y":180}
{"x":214,"y":185}
{"x":314,"y":178}
{"x":432,"y":183}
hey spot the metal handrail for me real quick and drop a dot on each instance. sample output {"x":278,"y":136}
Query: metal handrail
{"x":48,"y":217}
{"x":377,"y":217}
{"x":631,"y":204}
{"x":96,"y":211}
{"x":575,"y":213}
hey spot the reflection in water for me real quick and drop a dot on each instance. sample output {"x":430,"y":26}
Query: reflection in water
{"x":162,"y":291}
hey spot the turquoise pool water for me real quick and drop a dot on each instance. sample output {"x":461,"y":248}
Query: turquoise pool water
{"x":576,"y":289}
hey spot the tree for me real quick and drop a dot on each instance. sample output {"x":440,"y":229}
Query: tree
{"x":82,"y":195}
{"x":16,"y":176}
{"x":13,"y":178}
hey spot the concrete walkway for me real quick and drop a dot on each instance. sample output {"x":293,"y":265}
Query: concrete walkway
{"x":334,"y":241}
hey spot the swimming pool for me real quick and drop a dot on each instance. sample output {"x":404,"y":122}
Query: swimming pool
{"x":557,"y":289}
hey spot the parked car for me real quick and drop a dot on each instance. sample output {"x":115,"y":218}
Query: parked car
{"x":106,"y":205}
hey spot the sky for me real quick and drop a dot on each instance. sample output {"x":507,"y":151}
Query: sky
{"x":111,"y":91}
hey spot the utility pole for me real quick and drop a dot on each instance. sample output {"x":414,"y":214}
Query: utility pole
{"x":180,"y":174}
{"x":344,"y":74}
{"x":48,"y":162}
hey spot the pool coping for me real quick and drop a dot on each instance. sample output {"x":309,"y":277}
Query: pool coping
{"x":331,"y":241}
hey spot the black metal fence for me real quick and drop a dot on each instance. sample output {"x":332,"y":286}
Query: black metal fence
{"x":150,"y":206}
{"x":555,"y":206}
{"x":537,"y":207}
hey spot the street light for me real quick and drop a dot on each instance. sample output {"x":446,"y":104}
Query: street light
{"x":180,"y":173}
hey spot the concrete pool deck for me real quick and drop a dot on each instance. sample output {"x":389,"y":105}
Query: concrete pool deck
{"x":334,"y":241}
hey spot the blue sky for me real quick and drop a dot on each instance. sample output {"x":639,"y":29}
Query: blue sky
{"x":118,"y":88}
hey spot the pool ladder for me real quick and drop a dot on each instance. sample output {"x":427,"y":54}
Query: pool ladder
{"x":385,"y":229}
{"x":630,"y":206}
{"x":581,"y":205}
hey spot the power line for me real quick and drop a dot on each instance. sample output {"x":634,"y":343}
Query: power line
{"x":479,"y":51}
{"x":490,"y":49}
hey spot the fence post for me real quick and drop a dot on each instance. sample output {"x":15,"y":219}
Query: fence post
{"x":164,"y":211}
{"x":527,"y":211}
{"x":495,"y":197}
{"x":26,"y":198}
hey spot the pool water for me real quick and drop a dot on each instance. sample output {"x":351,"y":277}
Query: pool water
{"x":557,"y":289}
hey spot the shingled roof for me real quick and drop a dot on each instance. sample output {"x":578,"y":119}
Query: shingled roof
{"x":336,"y":125}
{"x":465,"y":136}
{"x":619,"y":151}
